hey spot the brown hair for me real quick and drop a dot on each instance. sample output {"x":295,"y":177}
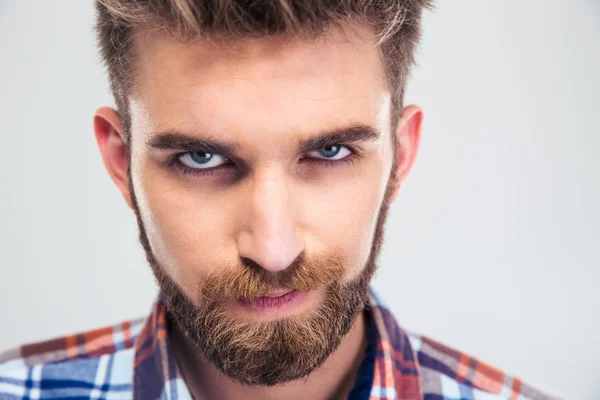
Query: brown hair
{"x":395,"y":22}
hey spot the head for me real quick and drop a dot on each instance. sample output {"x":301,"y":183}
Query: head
{"x":260,"y":144}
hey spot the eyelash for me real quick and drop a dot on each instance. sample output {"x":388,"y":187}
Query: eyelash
{"x":175,"y":164}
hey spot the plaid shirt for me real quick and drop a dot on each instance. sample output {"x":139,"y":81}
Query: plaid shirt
{"x":135,"y":359}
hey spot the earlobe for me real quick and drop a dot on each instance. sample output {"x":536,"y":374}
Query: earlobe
{"x":408,"y":137}
{"x":112,"y":143}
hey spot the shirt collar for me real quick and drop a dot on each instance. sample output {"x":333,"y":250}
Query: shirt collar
{"x":157,"y":375}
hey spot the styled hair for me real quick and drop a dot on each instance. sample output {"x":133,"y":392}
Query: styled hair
{"x":396,"y":24}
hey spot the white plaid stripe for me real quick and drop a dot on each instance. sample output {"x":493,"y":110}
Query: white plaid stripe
{"x":14,"y":369}
{"x":10,"y":389}
{"x":382,"y":393}
{"x":100,"y":379}
{"x":36,"y":377}
{"x":450,"y":388}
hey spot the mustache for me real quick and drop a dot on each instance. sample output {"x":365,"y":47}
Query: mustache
{"x":250,"y":281}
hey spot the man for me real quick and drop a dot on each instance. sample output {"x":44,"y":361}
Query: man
{"x":260,"y":144}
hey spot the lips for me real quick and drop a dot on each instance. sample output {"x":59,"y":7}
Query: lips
{"x":272,"y":300}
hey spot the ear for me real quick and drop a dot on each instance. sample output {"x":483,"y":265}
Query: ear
{"x":409,"y":137}
{"x":112,"y":142}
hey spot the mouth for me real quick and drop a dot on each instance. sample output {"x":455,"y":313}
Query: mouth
{"x":273,"y":301}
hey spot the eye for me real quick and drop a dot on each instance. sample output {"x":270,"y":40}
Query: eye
{"x":201,"y":160}
{"x":335,"y":152}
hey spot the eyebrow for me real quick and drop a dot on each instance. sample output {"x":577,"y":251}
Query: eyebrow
{"x":174,"y":140}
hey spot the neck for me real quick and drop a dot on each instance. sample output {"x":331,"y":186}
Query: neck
{"x":333,"y":380}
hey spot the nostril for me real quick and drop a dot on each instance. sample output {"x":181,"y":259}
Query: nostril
{"x":272,"y":261}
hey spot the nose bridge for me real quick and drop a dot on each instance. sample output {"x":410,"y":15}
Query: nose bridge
{"x":271,"y":239}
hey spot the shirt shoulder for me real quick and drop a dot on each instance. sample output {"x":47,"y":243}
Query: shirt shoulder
{"x":93,"y":364}
{"x":447,"y":373}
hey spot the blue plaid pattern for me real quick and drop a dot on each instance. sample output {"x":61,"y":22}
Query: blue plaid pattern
{"x":135,"y":360}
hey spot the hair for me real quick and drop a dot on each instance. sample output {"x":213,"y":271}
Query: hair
{"x":396,"y":23}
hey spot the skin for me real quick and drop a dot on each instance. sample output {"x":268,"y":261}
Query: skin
{"x":272,"y":202}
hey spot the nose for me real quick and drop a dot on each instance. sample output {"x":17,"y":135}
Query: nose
{"x":270,"y":239}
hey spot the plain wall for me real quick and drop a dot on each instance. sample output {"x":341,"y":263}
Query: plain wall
{"x":493,"y":246}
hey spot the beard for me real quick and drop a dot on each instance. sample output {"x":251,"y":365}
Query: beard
{"x":270,"y":352}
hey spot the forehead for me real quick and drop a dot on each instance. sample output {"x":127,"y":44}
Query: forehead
{"x":263,"y":89}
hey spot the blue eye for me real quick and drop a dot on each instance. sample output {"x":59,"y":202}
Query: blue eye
{"x":335,"y":152}
{"x":202,"y":163}
{"x":201,"y":160}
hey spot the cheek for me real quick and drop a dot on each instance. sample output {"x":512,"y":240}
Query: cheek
{"x":185,"y":228}
{"x":345,"y":216}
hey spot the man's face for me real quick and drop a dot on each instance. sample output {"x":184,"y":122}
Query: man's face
{"x":258,"y":172}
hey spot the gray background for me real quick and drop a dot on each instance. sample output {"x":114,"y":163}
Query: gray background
{"x":492,"y":247}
